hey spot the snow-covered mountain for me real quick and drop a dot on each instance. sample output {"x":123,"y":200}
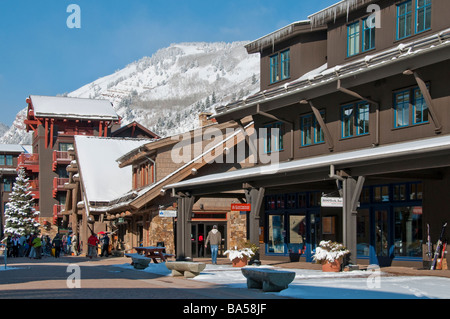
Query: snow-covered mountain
{"x":167,"y":91}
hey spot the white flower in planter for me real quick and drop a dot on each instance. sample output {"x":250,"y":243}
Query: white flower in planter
{"x":329,"y":251}
{"x":239,"y":253}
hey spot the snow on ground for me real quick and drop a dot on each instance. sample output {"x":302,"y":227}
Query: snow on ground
{"x":315,"y":284}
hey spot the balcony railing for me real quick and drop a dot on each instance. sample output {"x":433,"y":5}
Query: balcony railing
{"x":58,"y":185}
{"x":29,"y":162}
{"x":57,"y":209}
{"x":34,"y":188}
{"x":60,"y":157}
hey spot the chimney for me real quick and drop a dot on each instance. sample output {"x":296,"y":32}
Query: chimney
{"x":203,"y":119}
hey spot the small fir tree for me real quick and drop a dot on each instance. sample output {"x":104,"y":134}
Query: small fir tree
{"x":20,"y":216}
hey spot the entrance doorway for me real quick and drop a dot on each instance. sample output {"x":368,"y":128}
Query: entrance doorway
{"x":293,"y":232}
{"x":199,"y":233}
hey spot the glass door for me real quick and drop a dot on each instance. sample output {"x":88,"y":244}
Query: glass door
{"x":276,"y":234}
{"x":382,"y":239}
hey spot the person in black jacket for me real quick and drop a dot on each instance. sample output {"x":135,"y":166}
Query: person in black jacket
{"x":105,"y":245}
{"x":57,"y":243}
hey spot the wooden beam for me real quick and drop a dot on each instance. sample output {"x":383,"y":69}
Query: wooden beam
{"x":427,"y":96}
{"x":326,"y":131}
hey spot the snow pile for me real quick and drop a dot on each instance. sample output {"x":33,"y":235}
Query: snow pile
{"x":315,"y":284}
{"x":239,"y":253}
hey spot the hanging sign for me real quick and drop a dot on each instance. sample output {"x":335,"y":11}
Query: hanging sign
{"x":167,"y":213}
{"x":241,"y":207}
{"x":331,"y":202}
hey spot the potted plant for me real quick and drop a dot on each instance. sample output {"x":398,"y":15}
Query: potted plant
{"x":239,"y":257}
{"x":330,"y":255}
{"x":254,"y":259}
{"x":295,"y":251}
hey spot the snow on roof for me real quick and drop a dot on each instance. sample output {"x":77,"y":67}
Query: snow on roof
{"x":102,"y":178}
{"x":69,"y":107}
{"x":344,"y":158}
{"x":338,"y":9}
{"x":274,"y":36}
{"x":14,"y":148}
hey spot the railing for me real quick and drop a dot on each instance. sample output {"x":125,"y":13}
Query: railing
{"x":28,"y":161}
{"x":60,"y":157}
{"x":34,"y":188}
{"x":58,"y":185}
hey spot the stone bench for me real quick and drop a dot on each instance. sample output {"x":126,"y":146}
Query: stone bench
{"x":269,"y":280}
{"x":138,"y":261}
{"x":188,"y":269}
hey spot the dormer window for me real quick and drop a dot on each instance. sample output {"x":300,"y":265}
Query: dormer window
{"x":280,"y":66}
{"x":143,"y":175}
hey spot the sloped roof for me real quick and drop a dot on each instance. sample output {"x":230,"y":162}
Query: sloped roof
{"x":15,"y":148}
{"x":102,"y":178}
{"x":69,"y":107}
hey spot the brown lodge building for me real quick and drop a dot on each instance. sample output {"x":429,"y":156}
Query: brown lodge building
{"x":358,"y":96}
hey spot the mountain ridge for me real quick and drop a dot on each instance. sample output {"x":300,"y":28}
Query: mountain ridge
{"x":166,"y":91}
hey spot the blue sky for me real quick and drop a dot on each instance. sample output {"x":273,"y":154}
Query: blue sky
{"x":40,"y":55}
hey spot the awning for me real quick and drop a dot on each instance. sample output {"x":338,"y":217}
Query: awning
{"x":398,"y":157}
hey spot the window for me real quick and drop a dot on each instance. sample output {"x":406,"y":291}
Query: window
{"x":311,"y":131}
{"x":423,"y":15}
{"x":280,"y":66}
{"x":420,"y":107}
{"x":353,"y":39}
{"x":64,"y":147}
{"x":274,"y":69}
{"x":405,"y":17}
{"x":368,"y":42}
{"x":6,"y":185}
{"x":347,"y":121}
{"x":9,"y":160}
{"x":273,"y":139}
{"x":2,"y":160}
{"x":362,"y":123}
{"x":410,"y":104}
{"x":285,"y":64}
{"x":355,"y":119}
{"x":404,"y":20}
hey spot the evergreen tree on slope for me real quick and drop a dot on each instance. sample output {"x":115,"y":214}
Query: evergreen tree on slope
{"x":20,"y":214}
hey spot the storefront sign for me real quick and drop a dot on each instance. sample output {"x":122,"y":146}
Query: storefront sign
{"x":167,"y":213}
{"x":331,"y":202}
{"x":241,"y":207}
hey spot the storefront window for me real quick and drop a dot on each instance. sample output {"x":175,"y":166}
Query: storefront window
{"x":363,"y":233}
{"x":276,"y":234}
{"x":297,"y":233}
{"x":399,"y":192}
{"x":381,"y":194}
{"x":408,"y":231}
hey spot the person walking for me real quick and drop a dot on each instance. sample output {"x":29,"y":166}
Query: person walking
{"x":57,"y":244}
{"x":215,"y":239}
{"x":105,"y":245}
{"x":37,"y":247}
{"x":92,"y":246}
{"x":15,"y":245}
{"x":22,"y":248}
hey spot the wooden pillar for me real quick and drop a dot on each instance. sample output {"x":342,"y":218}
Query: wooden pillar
{"x":351,"y":194}
{"x":254,"y":197}
{"x":184,"y":217}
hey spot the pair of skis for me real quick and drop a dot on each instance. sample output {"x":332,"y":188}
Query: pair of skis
{"x":440,"y":248}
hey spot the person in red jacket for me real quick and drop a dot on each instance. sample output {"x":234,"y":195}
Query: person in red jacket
{"x":92,"y":246}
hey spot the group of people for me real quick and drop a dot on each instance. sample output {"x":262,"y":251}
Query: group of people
{"x":93,"y":242}
{"x":33,"y":246}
